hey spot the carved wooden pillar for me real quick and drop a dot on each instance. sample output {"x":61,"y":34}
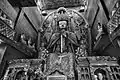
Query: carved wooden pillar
{"x":39,"y":43}
{"x":40,"y":29}
{"x":92,"y":72}
{"x":90,"y":40}
{"x":39,"y":38}
{"x":109,"y":74}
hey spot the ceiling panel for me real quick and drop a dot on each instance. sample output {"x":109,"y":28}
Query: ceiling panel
{"x":34,"y":16}
{"x":23,"y":26}
{"x":22,"y":3}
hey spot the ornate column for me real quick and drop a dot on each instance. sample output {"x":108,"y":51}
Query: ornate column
{"x":90,"y":40}
{"x":92,"y":72}
{"x":39,"y":6}
{"x":39,"y":43}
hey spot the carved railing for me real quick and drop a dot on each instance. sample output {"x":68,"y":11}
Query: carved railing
{"x":114,"y":21}
{"x":7,"y":35}
{"x":6,"y":30}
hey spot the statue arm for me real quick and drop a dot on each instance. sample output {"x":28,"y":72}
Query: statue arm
{"x":72,"y":37}
{"x":53,"y":39}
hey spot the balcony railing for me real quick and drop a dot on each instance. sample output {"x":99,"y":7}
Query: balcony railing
{"x":7,"y":35}
{"x":114,"y":22}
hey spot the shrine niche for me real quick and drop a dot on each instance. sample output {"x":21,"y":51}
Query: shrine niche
{"x":65,"y":31}
{"x":57,"y":76}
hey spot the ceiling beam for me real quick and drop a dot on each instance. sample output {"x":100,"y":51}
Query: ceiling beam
{"x":20,"y":9}
{"x":30,"y":22}
{"x":22,"y":3}
{"x":24,"y":49}
{"x":105,"y":9}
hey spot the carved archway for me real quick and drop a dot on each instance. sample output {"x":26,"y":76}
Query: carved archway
{"x":101,"y":72}
{"x":19,"y":74}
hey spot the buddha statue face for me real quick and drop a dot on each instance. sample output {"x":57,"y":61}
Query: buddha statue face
{"x":100,"y":76}
{"x":62,"y":24}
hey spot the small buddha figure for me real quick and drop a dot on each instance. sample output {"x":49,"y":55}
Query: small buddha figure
{"x":33,"y":46}
{"x":95,"y":77}
{"x":100,"y":76}
{"x":100,"y":31}
{"x":30,"y":42}
{"x":23,"y":38}
{"x":10,"y":23}
{"x":3,"y":16}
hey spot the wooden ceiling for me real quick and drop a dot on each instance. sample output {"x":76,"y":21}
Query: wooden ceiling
{"x":22,"y":3}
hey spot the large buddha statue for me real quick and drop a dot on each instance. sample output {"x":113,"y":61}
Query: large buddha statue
{"x":64,"y":31}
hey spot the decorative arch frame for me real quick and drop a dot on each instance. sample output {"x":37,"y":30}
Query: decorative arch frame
{"x":50,"y":19}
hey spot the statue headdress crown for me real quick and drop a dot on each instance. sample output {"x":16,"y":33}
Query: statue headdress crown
{"x":62,"y":14}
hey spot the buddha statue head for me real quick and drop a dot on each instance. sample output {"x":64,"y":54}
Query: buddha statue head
{"x":62,"y":18}
{"x":62,"y":24}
